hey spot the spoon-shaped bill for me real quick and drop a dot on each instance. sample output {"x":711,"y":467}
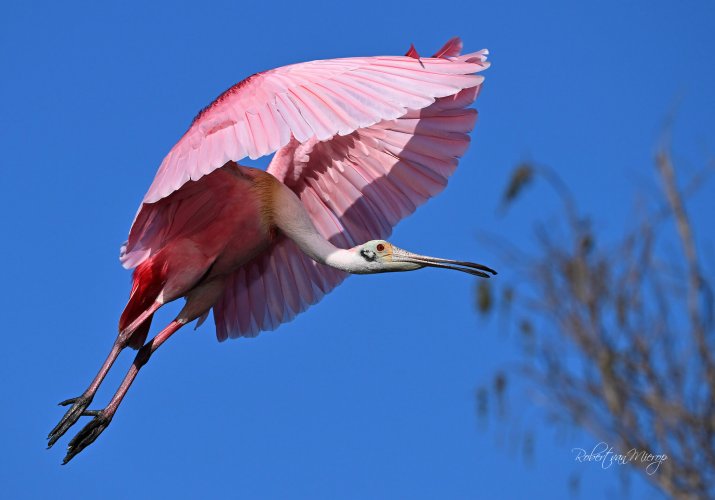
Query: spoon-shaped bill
{"x":400,"y":255}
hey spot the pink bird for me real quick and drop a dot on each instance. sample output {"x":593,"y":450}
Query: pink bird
{"x":359,"y":143}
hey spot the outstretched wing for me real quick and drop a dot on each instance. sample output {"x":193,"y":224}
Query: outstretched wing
{"x":313,"y":100}
{"x":355,"y":187}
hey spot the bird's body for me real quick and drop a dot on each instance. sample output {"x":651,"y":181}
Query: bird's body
{"x":359,"y":143}
{"x":208,"y":229}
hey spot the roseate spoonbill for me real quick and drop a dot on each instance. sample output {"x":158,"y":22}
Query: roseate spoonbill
{"x":359,"y":143}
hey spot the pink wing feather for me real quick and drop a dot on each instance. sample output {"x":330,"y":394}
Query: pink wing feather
{"x":362,"y":141}
{"x":312,"y":100}
{"x":355,"y":187}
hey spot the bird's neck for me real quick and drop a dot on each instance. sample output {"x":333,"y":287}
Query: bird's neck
{"x":289,"y":215}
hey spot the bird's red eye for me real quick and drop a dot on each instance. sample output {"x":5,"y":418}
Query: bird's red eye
{"x":380,"y":247}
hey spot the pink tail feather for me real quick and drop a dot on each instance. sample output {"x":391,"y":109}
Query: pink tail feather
{"x":148,"y":281}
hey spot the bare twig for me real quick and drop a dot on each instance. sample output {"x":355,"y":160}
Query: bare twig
{"x":628,"y":324}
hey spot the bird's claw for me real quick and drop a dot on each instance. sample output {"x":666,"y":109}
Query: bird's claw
{"x":88,"y":434}
{"x":79,"y":408}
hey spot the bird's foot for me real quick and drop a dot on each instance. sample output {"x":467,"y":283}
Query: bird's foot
{"x":88,"y":434}
{"x":78,"y":409}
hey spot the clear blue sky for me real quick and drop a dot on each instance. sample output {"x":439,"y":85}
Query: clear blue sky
{"x":370,"y":394}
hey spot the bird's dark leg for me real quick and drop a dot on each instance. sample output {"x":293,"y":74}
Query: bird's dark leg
{"x":80,"y":404}
{"x":102,"y":418}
